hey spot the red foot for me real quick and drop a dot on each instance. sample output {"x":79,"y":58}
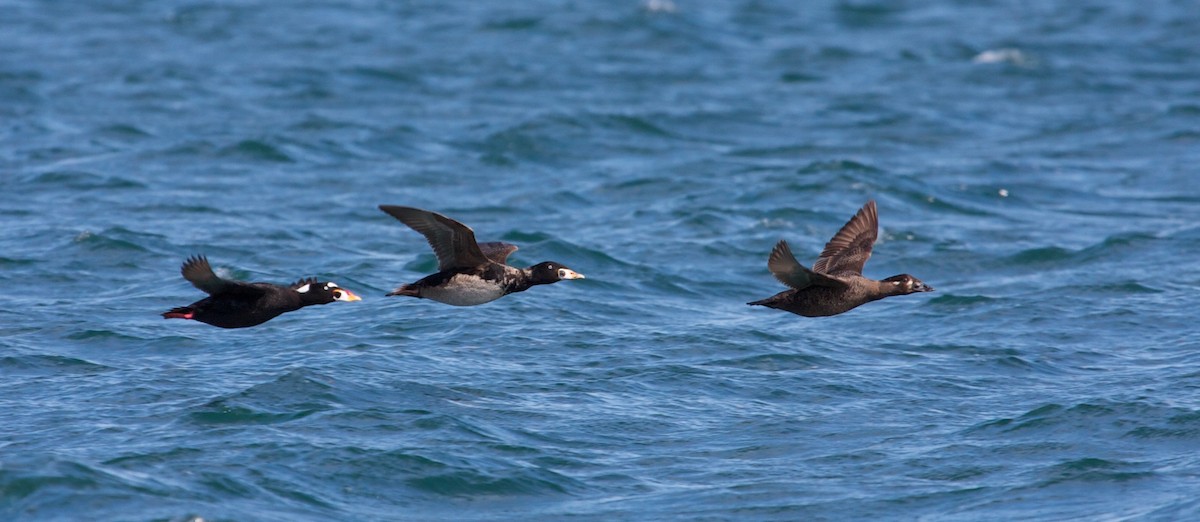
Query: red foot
{"x":178,"y":315}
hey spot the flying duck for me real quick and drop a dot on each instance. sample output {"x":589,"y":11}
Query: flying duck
{"x":236,"y":304}
{"x":469,"y":273}
{"x":835,"y":284}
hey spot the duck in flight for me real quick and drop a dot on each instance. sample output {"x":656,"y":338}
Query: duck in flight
{"x":835,"y":283}
{"x":469,"y":273}
{"x":236,"y":304}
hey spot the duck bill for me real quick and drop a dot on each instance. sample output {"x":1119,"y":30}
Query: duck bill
{"x":348,"y":296}
{"x":922,"y":287}
{"x":571,"y":274}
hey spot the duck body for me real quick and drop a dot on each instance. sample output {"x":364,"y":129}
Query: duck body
{"x":469,"y":273}
{"x":465,"y":287}
{"x":237,"y":304}
{"x":824,"y":301}
{"x":835,"y":283}
{"x":261,"y":303}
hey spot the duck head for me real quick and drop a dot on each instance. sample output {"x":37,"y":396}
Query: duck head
{"x":550,"y":272}
{"x":904,"y":284}
{"x":322,"y":292}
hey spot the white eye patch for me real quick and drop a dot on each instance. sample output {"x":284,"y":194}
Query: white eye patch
{"x":330,"y":284}
{"x":303,"y":289}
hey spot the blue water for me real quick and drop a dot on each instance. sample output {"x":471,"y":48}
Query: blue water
{"x":1036,"y":162}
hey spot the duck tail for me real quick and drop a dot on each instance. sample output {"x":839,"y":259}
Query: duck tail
{"x":770,"y":302}
{"x":182,"y":312}
{"x":406,"y":290}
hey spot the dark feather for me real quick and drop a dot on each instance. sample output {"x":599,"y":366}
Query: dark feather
{"x":453,"y":243}
{"x":198,"y":272}
{"x":305,"y":281}
{"x":850,"y":248}
{"x":787,"y":270}
{"x":497,"y":251}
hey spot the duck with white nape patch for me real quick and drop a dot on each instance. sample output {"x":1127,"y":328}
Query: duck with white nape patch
{"x":469,"y":273}
{"x":235,"y":304}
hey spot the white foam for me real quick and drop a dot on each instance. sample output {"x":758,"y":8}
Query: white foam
{"x":1003,"y":55}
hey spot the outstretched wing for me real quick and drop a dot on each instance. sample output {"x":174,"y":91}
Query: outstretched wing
{"x":787,"y":270}
{"x":198,"y":272}
{"x":497,"y":251}
{"x":453,"y":242}
{"x":850,"y":248}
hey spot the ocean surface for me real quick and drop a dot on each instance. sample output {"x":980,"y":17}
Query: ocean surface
{"x":1038,"y":163}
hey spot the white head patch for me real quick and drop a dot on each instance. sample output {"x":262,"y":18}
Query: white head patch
{"x":303,"y":289}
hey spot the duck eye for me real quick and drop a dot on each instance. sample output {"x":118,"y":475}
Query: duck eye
{"x":337,"y":294}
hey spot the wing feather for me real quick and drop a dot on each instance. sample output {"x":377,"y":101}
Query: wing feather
{"x":850,"y":248}
{"x":453,"y":243}
{"x":787,"y":270}
{"x":198,"y":272}
{"x":497,"y":251}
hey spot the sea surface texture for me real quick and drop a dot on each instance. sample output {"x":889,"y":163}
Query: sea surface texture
{"x":1035,"y":162}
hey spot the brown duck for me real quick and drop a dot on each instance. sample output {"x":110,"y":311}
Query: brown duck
{"x":836,"y":284}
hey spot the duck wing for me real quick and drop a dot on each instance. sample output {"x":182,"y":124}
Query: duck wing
{"x":453,"y":242}
{"x":497,"y":251}
{"x":787,"y":270}
{"x":850,"y":248}
{"x":198,"y":272}
{"x":307,"y":281}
